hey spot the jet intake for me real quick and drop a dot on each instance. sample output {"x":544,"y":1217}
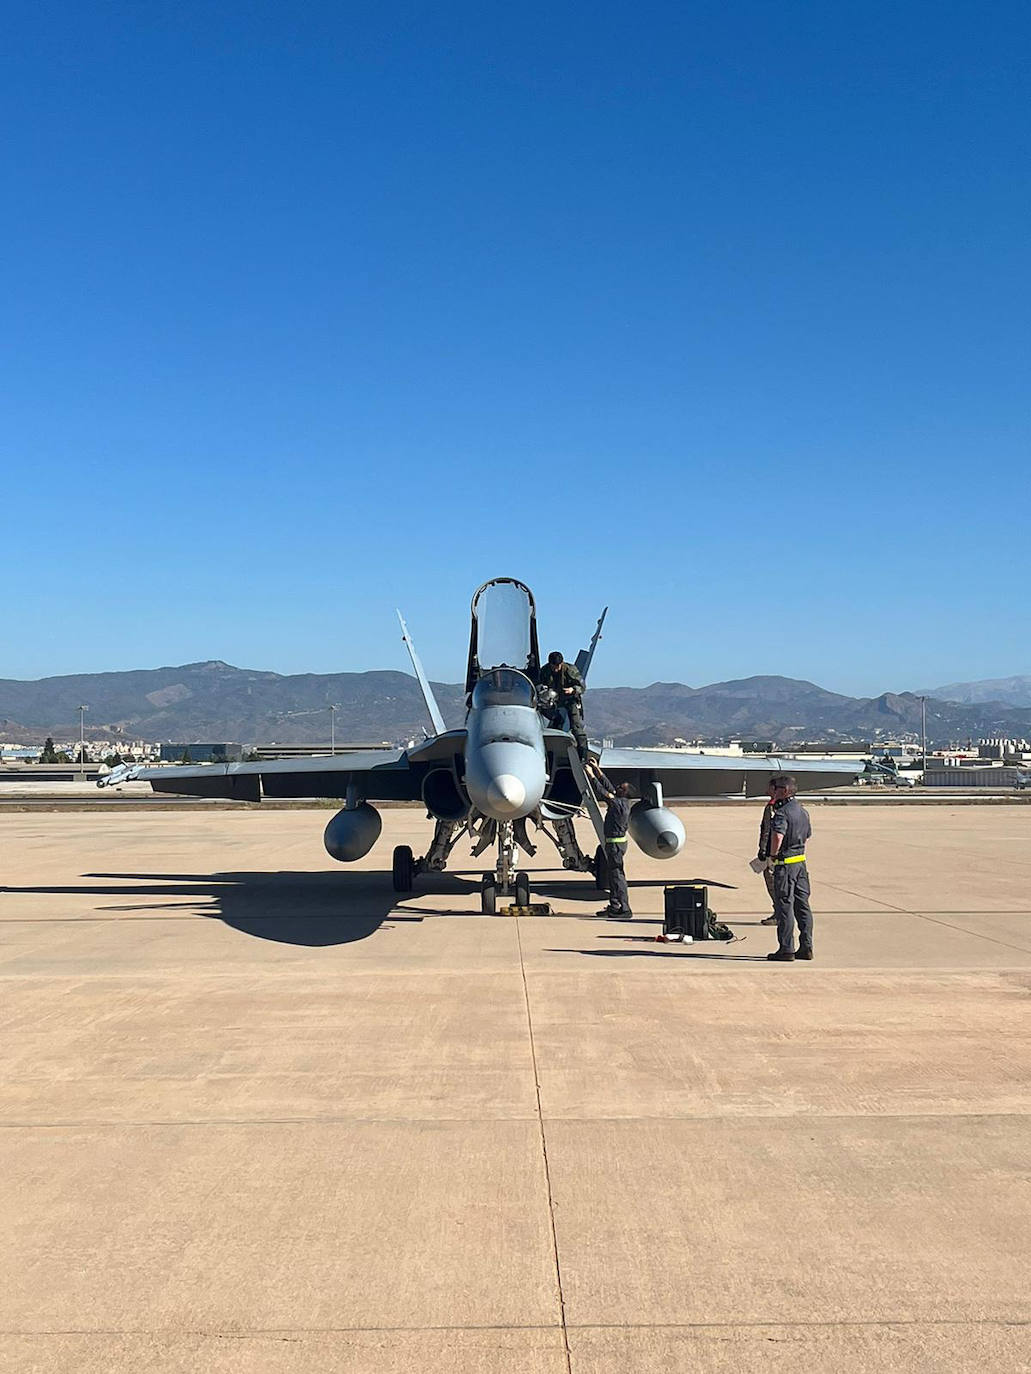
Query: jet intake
{"x":351,"y":834}
{"x":444,"y":799}
{"x":657,"y":831}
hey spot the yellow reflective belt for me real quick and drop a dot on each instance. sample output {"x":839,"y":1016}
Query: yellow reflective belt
{"x":615,"y":839}
{"x":794,"y":859}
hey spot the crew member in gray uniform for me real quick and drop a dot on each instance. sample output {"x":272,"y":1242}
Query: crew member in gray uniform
{"x":617,"y":820}
{"x":763,"y":855}
{"x":789,"y":830}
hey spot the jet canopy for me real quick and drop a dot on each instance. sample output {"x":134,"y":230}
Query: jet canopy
{"x":502,"y":687}
{"x":503,"y":631}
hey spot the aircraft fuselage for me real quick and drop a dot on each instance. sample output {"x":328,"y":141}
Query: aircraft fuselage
{"x":505,"y":758}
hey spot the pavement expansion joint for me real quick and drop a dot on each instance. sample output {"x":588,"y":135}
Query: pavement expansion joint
{"x":354,"y":1121}
{"x":989,"y":939}
{"x":221,"y":1122}
{"x":544,"y":1153}
{"x":770,"y":1323}
{"x":260,"y":1332}
{"x":775,"y":1323}
{"x":888,"y":906}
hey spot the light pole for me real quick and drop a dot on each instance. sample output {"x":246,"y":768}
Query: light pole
{"x":316,"y":710}
{"x":82,"y":743}
{"x":923,"y":736}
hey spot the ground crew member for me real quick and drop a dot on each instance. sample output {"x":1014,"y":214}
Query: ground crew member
{"x":617,"y":819}
{"x":763,"y":855}
{"x":565,"y":681}
{"x":789,"y":830}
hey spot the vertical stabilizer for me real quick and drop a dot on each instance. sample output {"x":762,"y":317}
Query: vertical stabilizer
{"x":424,"y":686}
{"x":584,"y":657}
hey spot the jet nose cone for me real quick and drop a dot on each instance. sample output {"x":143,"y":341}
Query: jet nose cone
{"x":506,"y":794}
{"x":667,"y":841}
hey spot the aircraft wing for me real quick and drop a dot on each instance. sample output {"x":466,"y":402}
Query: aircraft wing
{"x":377,"y":774}
{"x":683,"y":776}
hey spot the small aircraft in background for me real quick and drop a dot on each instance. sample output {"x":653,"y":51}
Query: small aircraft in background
{"x":506,"y":768}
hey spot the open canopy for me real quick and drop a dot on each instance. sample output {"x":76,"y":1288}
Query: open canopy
{"x":503,"y":632}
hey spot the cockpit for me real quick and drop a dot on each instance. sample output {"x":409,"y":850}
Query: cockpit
{"x":502,"y":687}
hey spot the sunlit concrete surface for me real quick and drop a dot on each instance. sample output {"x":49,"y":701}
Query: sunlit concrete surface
{"x":258,"y":1115}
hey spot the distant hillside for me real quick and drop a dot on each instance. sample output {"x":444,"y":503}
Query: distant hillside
{"x":215,"y":701}
{"x":1007,"y":691}
{"x":787,"y":711}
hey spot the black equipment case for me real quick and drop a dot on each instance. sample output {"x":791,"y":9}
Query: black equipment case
{"x":686,"y":911}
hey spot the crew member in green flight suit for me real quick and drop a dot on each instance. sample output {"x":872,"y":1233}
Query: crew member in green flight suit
{"x":565,"y":681}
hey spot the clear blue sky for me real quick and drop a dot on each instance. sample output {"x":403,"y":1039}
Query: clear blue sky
{"x":717,"y":313}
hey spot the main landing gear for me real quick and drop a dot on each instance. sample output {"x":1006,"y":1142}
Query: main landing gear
{"x":404,"y":869}
{"x":407,"y":867}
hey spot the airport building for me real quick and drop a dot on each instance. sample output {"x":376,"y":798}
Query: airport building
{"x":1003,"y":749}
{"x":196,"y":752}
{"x":998,"y":775}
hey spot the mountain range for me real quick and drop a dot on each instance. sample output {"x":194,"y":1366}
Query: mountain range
{"x":215,"y":701}
{"x":1008,"y":691}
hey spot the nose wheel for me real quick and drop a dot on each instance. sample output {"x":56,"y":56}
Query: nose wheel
{"x":489,"y":892}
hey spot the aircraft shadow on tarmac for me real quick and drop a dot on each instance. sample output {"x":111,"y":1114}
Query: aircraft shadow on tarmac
{"x":313,"y":909}
{"x":308,"y":909}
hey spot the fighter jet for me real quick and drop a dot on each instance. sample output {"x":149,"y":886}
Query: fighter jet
{"x":514,"y":764}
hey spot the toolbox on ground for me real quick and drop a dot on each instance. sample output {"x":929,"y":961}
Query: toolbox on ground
{"x":686,"y":911}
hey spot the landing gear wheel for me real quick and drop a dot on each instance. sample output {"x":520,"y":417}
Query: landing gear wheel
{"x":600,"y":869}
{"x":522,"y":889}
{"x":404,"y":869}
{"x":488,"y":895}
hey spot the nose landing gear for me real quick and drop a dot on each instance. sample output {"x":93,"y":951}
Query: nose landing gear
{"x":504,"y":880}
{"x":501,"y":879}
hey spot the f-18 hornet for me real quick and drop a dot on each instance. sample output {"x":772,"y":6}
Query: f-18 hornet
{"x":509,"y":767}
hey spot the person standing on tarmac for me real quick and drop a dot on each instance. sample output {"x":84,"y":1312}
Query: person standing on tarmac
{"x":763,"y":855}
{"x":617,"y":820}
{"x":565,"y":681}
{"x":789,"y":830}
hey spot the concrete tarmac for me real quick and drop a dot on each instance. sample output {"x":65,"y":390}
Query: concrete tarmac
{"x":260,"y":1115}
